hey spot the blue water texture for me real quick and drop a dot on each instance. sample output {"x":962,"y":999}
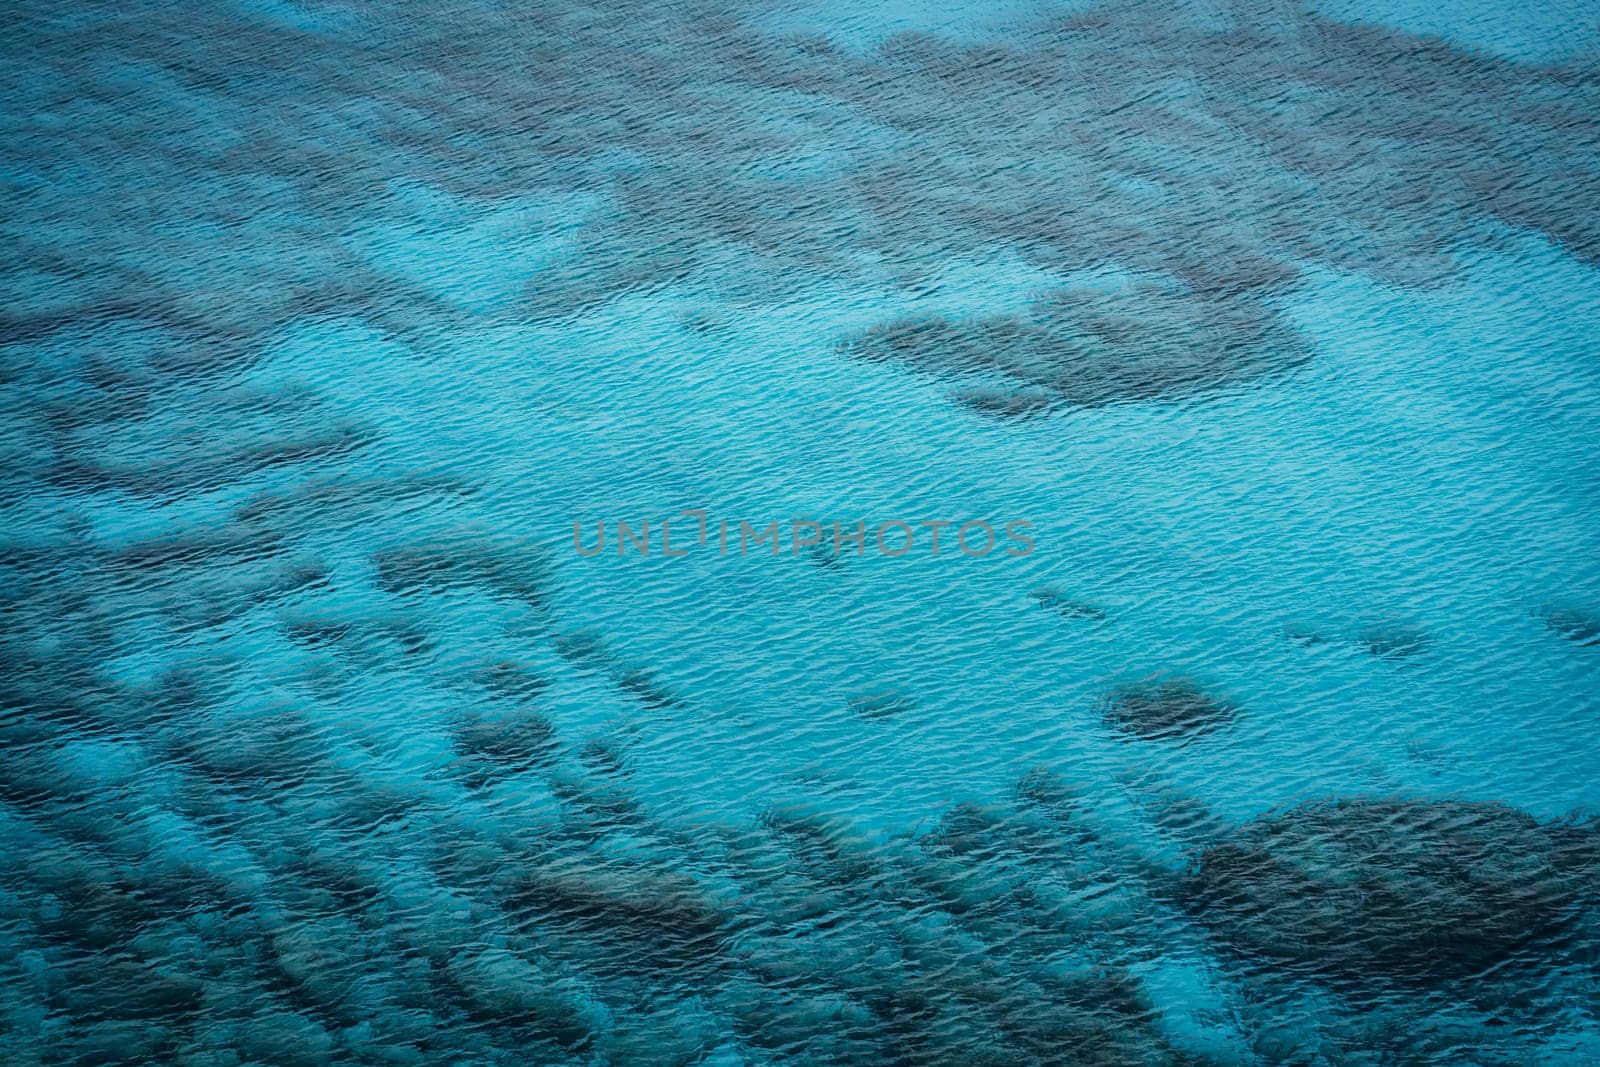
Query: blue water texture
{"x":1278,"y":326}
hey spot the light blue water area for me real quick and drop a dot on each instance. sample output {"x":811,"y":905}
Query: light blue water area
{"x":323,"y":742}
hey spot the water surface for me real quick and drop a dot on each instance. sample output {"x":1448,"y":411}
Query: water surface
{"x":324,"y":323}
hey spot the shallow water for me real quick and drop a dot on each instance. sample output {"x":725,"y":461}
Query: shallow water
{"x":323,"y":741}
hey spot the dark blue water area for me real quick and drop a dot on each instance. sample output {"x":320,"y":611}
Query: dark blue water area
{"x":1263,"y":338}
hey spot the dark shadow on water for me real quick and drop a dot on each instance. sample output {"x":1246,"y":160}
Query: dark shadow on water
{"x":1166,"y":710}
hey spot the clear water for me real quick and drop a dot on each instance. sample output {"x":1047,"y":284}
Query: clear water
{"x":324,"y":323}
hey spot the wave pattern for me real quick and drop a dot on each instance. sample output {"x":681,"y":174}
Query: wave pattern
{"x":324,"y":321}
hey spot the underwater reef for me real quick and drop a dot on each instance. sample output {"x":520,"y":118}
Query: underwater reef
{"x":1166,"y":709}
{"x":1094,"y":349}
{"x":1575,"y":624}
{"x":1404,"y":890}
{"x":313,"y":750}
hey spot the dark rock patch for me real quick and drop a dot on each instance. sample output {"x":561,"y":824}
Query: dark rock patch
{"x":822,"y":556}
{"x":1305,"y":635}
{"x":1068,"y":606}
{"x":465,"y":561}
{"x":229,"y":545}
{"x":605,"y":755}
{"x":824,"y":844}
{"x":1151,"y":342}
{"x":643,"y":686}
{"x":1166,"y":710}
{"x":583,"y":647}
{"x":596,"y":802}
{"x":515,"y":739}
{"x":668,"y":912}
{"x":316,"y":632}
{"x":588,"y":649}
{"x":1411,"y":890}
{"x":886,"y":704}
{"x":1392,"y":642}
{"x":511,"y":680}
{"x":279,"y":747}
{"x":1580,"y":627}
{"x":1004,"y":403}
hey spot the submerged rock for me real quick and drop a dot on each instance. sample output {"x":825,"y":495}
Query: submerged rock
{"x":1067,"y":606}
{"x":665,"y":909}
{"x":643,"y":687}
{"x":825,"y":844}
{"x":1580,"y":627}
{"x":1004,"y":403}
{"x":1412,"y":890}
{"x":968,"y":828}
{"x":587,"y":648}
{"x":517,"y":739}
{"x":464,"y":561}
{"x":277,"y":745}
{"x":501,"y":987}
{"x":605,"y":755}
{"x":1304,"y":634}
{"x":1392,"y":642}
{"x":1044,"y":791}
{"x":584,"y":647}
{"x":881,"y":705}
{"x":1157,"y":711}
{"x":511,"y":680}
{"x":1152,"y":341}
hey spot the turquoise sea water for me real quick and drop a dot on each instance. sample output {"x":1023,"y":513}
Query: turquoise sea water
{"x":323,"y":742}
